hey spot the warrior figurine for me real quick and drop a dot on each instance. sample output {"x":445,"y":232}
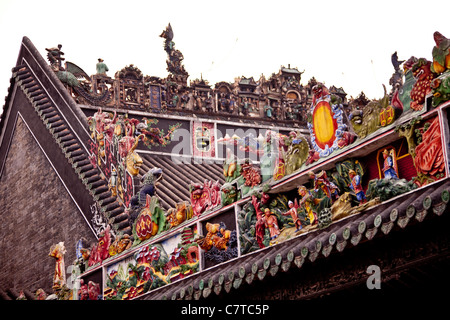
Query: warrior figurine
{"x":58,"y":251}
{"x":321,"y":182}
{"x":355,"y":185}
{"x":293,"y":212}
{"x":270,"y":221}
{"x":307,"y":202}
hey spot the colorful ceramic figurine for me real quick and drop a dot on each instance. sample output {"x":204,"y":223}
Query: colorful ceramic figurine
{"x":175,"y":57}
{"x":321,"y":182}
{"x":374,"y":115}
{"x":293,"y":212}
{"x":231,"y":168}
{"x":100,"y":251}
{"x":441,"y":53}
{"x":297,"y":152}
{"x":58,"y":251}
{"x":83,"y":293}
{"x":389,"y":165}
{"x":182,"y":212}
{"x":101,"y":67}
{"x":229,"y":194}
{"x":89,"y":291}
{"x":221,"y":242}
{"x":270,"y":222}
{"x":268,"y":110}
{"x":356,"y":186}
{"x":260,"y":222}
{"x":307,"y":202}
{"x":251,"y":173}
{"x":440,"y":88}
{"x":93,"y":290}
{"x":40,"y":294}
{"x":148,"y":184}
{"x":133,"y":160}
{"x":213,"y":238}
{"x":122,"y":243}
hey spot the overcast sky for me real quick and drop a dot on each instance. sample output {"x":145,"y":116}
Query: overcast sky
{"x":343,"y":43}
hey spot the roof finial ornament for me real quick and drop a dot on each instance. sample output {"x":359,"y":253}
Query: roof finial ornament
{"x":175,"y":57}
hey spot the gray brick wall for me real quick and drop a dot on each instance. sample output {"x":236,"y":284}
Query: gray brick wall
{"x":36,"y":212}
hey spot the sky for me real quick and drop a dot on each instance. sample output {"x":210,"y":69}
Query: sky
{"x":342,"y":43}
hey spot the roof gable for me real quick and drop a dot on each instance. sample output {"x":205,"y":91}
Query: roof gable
{"x":60,"y":127}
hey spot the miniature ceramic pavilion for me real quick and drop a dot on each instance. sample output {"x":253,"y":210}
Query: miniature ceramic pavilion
{"x":155,"y":189}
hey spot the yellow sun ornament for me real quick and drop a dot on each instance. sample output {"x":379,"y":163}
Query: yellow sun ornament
{"x":324,"y":125}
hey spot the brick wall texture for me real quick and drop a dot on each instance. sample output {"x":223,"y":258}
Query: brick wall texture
{"x":36,"y":212}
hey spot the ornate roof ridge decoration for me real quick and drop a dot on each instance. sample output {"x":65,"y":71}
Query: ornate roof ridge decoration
{"x":199,"y":82}
{"x":246,"y":98}
{"x":130,"y":72}
{"x":282,"y":96}
{"x":289,"y":72}
{"x":247,"y":81}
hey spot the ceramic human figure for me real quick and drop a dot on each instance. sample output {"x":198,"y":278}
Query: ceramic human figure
{"x":101,"y":67}
{"x":293,"y":212}
{"x":307,"y":202}
{"x":355,"y":185}
{"x":321,"y":182}
{"x":58,"y":251}
{"x":268,"y":110}
{"x":270,"y":221}
{"x":389,"y":170}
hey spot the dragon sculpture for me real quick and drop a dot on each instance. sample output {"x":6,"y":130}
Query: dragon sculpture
{"x":175,"y":57}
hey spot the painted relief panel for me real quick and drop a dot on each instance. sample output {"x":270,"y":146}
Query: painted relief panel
{"x":153,"y":266}
{"x":219,"y":239}
{"x":203,"y":139}
{"x":113,"y":143}
{"x":155,"y":98}
{"x":414,"y":160}
{"x":90,"y":287}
